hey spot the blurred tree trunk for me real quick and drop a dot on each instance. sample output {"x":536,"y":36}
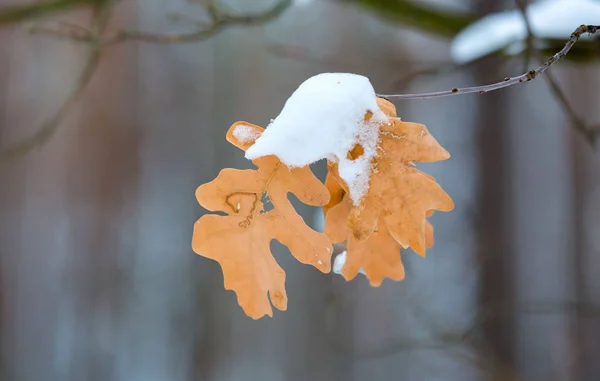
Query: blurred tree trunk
{"x":586,"y":248}
{"x":66,"y":210}
{"x":35,"y":220}
{"x":495,"y":247}
{"x":543,"y":229}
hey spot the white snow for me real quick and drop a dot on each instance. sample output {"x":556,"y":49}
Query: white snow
{"x":324,"y":119}
{"x":555,"y":19}
{"x":245,"y":134}
{"x":340,"y":261}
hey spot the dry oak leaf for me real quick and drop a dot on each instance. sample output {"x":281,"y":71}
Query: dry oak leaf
{"x":393,"y":212}
{"x":398,"y":192}
{"x":258,"y":211}
{"x":378,"y":256}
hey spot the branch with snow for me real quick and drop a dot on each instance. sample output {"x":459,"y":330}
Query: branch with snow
{"x":508,"y":81}
{"x":507,"y":31}
{"x":590,"y":134}
{"x":518,"y":31}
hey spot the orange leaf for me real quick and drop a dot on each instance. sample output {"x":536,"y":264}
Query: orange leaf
{"x":378,"y":256}
{"x":399,"y":193}
{"x":393,"y":212}
{"x":259,"y":211}
{"x":336,"y":192}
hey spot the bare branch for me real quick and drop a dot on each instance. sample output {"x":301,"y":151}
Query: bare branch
{"x":15,"y":13}
{"x":49,"y":128}
{"x":577,"y":121}
{"x":590,"y":133}
{"x":530,"y":75}
{"x":95,"y":39}
{"x":218,"y":20}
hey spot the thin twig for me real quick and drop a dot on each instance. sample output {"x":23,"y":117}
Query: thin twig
{"x":530,"y":41}
{"x":530,"y":75}
{"x":48,"y":128}
{"x":579,"y":124}
{"x":218,"y":20}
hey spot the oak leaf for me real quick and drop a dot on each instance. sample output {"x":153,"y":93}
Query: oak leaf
{"x":393,"y":212}
{"x":379,"y":255}
{"x":258,"y":211}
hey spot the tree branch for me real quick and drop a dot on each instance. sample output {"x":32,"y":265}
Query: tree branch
{"x":562,"y":98}
{"x":49,"y":128}
{"x":530,"y":75}
{"x":446,"y":23}
{"x":16,"y":13}
{"x":219,"y":19}
{"x":95,"y":39}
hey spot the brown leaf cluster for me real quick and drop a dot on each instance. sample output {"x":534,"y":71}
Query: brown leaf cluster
{"x":392,"y":215}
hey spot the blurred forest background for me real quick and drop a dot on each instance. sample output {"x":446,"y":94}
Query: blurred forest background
{"x":105,"y":133}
